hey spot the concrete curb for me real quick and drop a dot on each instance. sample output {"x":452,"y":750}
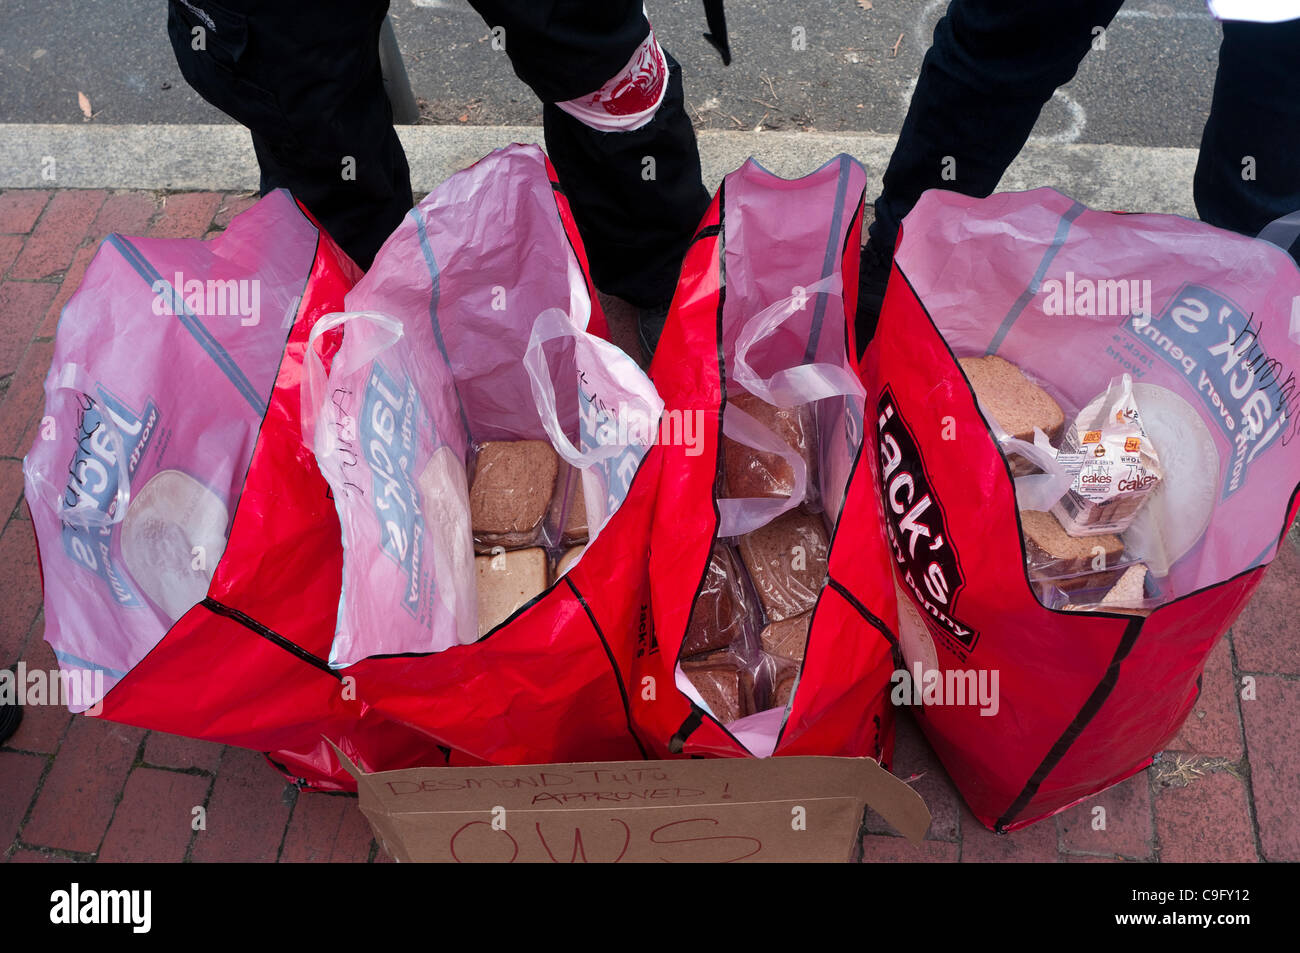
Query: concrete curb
{"x":220,"y":158}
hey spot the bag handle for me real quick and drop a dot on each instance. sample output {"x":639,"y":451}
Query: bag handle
{"x":788,"y":387}
{"x":1034,"y":491}
{"x":314,"y":376}
{"x":609,"y":365}
{"x":1038,"y":491}
{"x":801,"y":383}
{"x":81,"y":511}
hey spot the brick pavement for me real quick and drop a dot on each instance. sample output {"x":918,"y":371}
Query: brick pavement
{"x":78,"y":789}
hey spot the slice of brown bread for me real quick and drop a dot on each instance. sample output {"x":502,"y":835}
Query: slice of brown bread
{"x":1066,"y":561}
{"x":788,"y":638}
{"x":1016,"y":403}
{"x":513,"y":484}
{"x":507,"y":581}
{"x":786,"y":560}
{"x":1129,"y":590}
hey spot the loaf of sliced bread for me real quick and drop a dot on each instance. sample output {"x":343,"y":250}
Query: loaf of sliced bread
{"x":757,"y":474}
{"x":726,"y":686}
{"x":1069,"y":562}
{"x":788,"y":638}
{"x":786,"y":560}
{"x":514,"y":481}
{"x":506,"y":581}
{"x":719,"y":616}
{"x":783,"y":688}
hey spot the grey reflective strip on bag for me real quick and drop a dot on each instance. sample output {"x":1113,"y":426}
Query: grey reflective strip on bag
{"x":1283,"y":232}
{"x":191,"y":322}
{"x":1035,"y":283}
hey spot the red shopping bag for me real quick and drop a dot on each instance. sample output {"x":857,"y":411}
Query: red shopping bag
{"x":761,"y":309}
{"x":477,"y":324}
{"x":189,"y":549}
{"x":1204,"y":328}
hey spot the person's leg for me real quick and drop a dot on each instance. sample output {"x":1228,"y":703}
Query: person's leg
{"x":1248,"y":172}
{"x":992,"y":67}
{"x":304,"y":77}
{"x":617,"y":133}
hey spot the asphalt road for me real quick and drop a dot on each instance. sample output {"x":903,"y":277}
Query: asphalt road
{"x":1150,"y":87}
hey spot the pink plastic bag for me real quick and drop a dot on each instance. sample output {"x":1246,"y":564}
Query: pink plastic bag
{"x":163,"y":366}
{"x":459,"y":336}
{"x":1212,"y":319}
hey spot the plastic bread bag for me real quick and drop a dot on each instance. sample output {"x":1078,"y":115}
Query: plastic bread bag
{"x":753,"y":473}
{"x":722,"y":683}
{"x":775,"y":682}
{"x":772,"y":445}
{"x":781,"y":679}
{"x":729,"y":620}
{"x":566,"y":559}
{"x":1112,"y":462}
{"x":510,"y":493}
{"x":1054,"y":557}
{"x":739,"y":515}
{"x":1135,"y":591}
{"x":724,"y":611}
{"x":787,"y":563}
{"x":566,"y":519}
{"x":783,"y":645}
{"x":1040,"y":480}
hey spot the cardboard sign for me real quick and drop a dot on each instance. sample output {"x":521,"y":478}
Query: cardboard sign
{"x":690,"y":811}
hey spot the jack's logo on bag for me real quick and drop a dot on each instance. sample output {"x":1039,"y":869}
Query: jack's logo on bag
{"x":918,"y":532}
{"x":1246,"y":392}
{"x":94,"y":478}
{"x":390,"y":418}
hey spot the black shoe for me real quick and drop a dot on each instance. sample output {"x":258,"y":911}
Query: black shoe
{"x":650,"y":325}
{"x":11,"y":716}
{"x":873,"y":276}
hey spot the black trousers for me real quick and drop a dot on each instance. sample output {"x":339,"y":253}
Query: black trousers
{"x":995,"y":63}
{"x":304,"y":77}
